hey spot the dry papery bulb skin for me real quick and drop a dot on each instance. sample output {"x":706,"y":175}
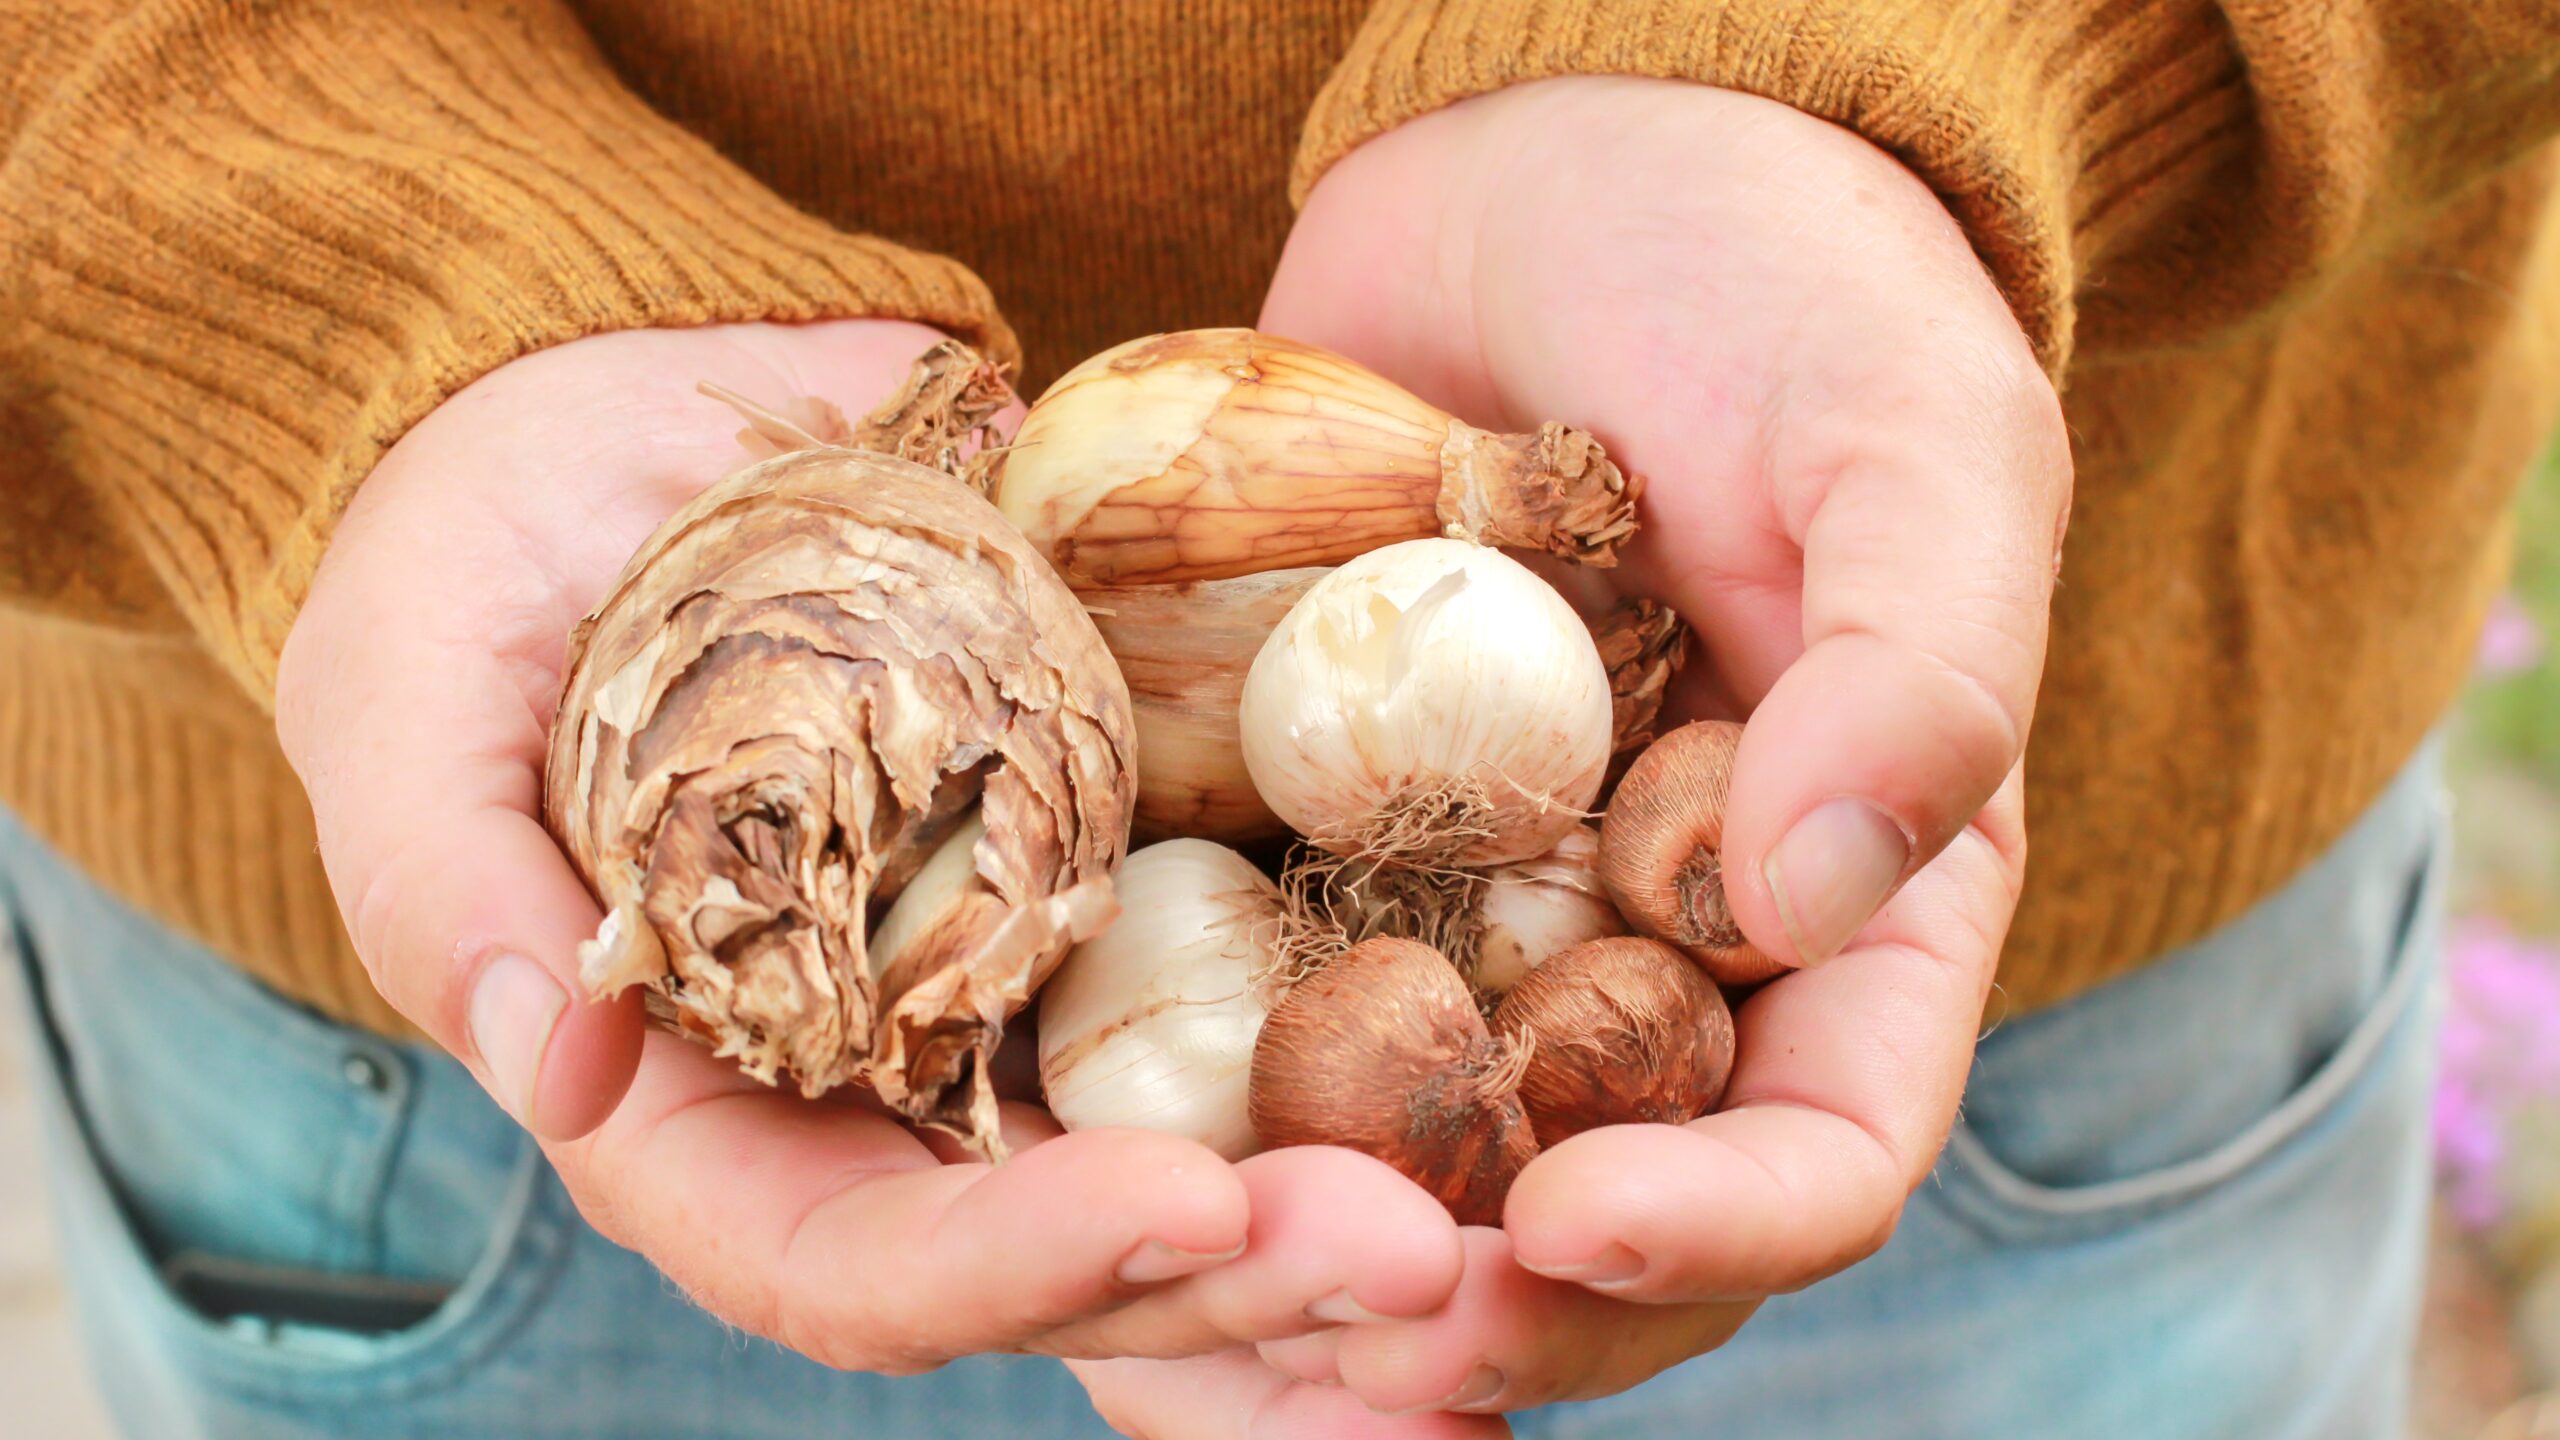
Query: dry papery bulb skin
{"x":1643,"y":643}
{"x":1661,"y":853}
{"x":1533,"y":910}
{"x":1152,"y":1023}
{"x":802,"y":684}
{"x":1206,"y":454}
{"x":1383,"y":1051}
{"x":1184,"y":650}
{"x":1434,"y":700}
{"x":1621,"y":1031}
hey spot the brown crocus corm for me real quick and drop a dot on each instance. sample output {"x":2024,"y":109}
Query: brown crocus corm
{"x":1621,"y":1031}
{"x":1662,"y":850}
{"x":1382,"y":1050}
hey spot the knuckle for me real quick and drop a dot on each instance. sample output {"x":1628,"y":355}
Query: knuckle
{"x":1857,"y":1249}
{"x":831,"y":1342}
{"x":846,"y":1311}
{"x":370,"y":912}
{"x":376,"y":900}
{"x":405,"y":945}
{"x":1213,"y":1303}
{"x":313,"y":675}
{"x":598,"y":1202}
{"x":2023,"y":433}
{"x":1992,"y":701}
{"x":1985,"y":651}
{"x":1529,"y":1385}
{"x":1863,"y":1244}
{"x":1868,"y":1245}
{"x":795,"y":1332}
{"x":296,"y":694}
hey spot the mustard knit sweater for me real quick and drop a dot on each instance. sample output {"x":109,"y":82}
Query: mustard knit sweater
{"x":2296,"y":267}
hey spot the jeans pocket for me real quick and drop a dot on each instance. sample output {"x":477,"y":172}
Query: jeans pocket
{"x":2222,"y":1003}
{"x":197,"y":1325}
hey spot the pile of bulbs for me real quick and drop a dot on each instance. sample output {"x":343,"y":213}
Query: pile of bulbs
{"x":855,"y":781}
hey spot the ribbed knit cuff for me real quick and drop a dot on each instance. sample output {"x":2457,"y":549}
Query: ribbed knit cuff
{"x":141,"y":763}
{"x":256,"y":244}
{"x":2050,"y":131}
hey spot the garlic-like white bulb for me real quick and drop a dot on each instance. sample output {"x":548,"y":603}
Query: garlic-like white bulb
{"x":1433,"y":686}
{"x":946,"y":909}
{"x":1535,"y":909}
{"x":1152,"y":1023}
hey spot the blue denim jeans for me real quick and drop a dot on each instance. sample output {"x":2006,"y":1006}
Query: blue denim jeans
{"x":2188,"y":1204}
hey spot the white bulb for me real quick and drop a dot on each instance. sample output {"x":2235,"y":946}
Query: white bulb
{"x":1537,"y":909}
{"x":1152,"y":1023}
{"x":940,"y":886}
{"x":1420,"y":665}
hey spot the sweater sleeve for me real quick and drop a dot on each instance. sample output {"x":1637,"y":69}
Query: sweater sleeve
{"x":2133,"y":172}
{"x":246,"y":246}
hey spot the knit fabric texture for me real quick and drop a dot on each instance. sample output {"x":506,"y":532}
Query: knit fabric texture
{"x":2296,"y":269}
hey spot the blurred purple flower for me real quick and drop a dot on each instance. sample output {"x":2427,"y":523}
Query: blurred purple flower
{"x":2499,"y":1050}
{"x":2510,"y":642}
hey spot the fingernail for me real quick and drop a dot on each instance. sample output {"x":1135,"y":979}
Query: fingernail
{"x":514,"y":1007}
{"x":1613,"y":1266}
{"x":1155,"y":1262}
{"x":1831,"y":873}
{"x":1339,"y":1308}
{"x":1482,"y":1388}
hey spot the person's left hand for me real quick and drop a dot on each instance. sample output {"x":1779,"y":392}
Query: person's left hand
{"x":1858,"y":480}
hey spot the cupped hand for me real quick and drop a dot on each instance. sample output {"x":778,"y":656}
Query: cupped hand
{"x":1858,"y":482}
{"x":414,"y":697}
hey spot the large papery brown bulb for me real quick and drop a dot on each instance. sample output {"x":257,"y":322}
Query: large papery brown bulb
{"x":1383,"y":1051}
{"x":800,"y":685}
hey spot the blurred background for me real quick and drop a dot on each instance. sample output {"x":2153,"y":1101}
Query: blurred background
{"x":2489,"y":1368}
{"x":2493,"y":1357}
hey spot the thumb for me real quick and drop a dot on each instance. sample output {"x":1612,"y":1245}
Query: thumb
{"x":421,"y":757}
{"x":1929,"y":535}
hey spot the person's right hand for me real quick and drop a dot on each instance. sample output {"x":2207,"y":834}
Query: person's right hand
{"x":413,"y":698}
{"x":1857,"y":476}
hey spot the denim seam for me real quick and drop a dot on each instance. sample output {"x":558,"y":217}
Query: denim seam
{"x":363,"y":1172}
{"x":1979,"y":1177}
{"x":509,"y":1284}
{"x":528,"y":1248}
{"x":2344,"y":1067}
{"x":359,"y":1175}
